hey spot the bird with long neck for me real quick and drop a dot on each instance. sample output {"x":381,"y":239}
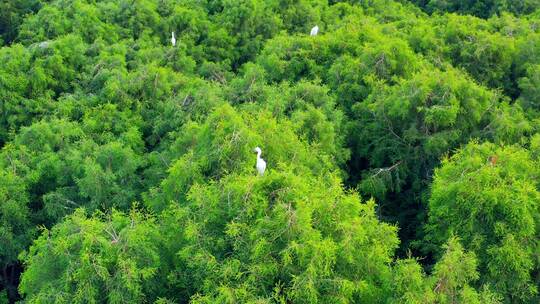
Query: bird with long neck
{"x":173,"y":39}
{"x":261,"y":164}
{"x":314,"y":31}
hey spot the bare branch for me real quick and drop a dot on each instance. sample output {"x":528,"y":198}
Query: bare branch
{"x":388,"y":169}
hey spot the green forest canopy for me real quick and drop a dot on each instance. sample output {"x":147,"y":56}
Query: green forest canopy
{"x":402,"y":144}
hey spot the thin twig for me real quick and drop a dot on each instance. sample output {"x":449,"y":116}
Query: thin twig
{"x":388,"y":169}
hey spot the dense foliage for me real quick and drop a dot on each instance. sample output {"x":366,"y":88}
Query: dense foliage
{"x":481,"y":8}
{"x":402,"y":146}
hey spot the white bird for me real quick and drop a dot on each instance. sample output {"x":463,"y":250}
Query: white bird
{"x":261,"y":164}
{"x":314,"y":31}
{"x":44,"y":44}
{"x":173,"y":40}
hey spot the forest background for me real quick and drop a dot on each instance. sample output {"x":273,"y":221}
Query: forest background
{"x":402,"y":146}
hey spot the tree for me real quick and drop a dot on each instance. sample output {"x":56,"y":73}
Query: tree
{"x":234,"y":236}
{"x":480,"y":8}
{"x":487,"y":195}
{"x":16,"y":229}
{"x":451,"y":281}
{"x":110,"y":258}
{"x":530,"y":94}
{"x":400,"y":132}
{"x":12,"y":15}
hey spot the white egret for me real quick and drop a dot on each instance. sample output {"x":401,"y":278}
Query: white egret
{"x":261,"y":164}
{"x":44,"y":44}
{"x":314,"y":31}
{"x":173,"y":40}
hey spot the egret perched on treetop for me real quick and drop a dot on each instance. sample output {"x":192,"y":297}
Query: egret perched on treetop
{"x":44,"y":44}
{"x":261,"y":164}
{"x":173,"y":40}
{"x":314,"y":31}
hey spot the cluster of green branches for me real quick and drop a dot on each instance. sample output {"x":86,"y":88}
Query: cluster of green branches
{"x":402,"y":143}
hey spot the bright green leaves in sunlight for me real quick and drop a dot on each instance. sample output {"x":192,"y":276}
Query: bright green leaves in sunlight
{"x":452,"y":280}
{"x":224,"y":144}
{"x":488,"y":196}
{"x":104,"y":258}
{"x":228,"y":234}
